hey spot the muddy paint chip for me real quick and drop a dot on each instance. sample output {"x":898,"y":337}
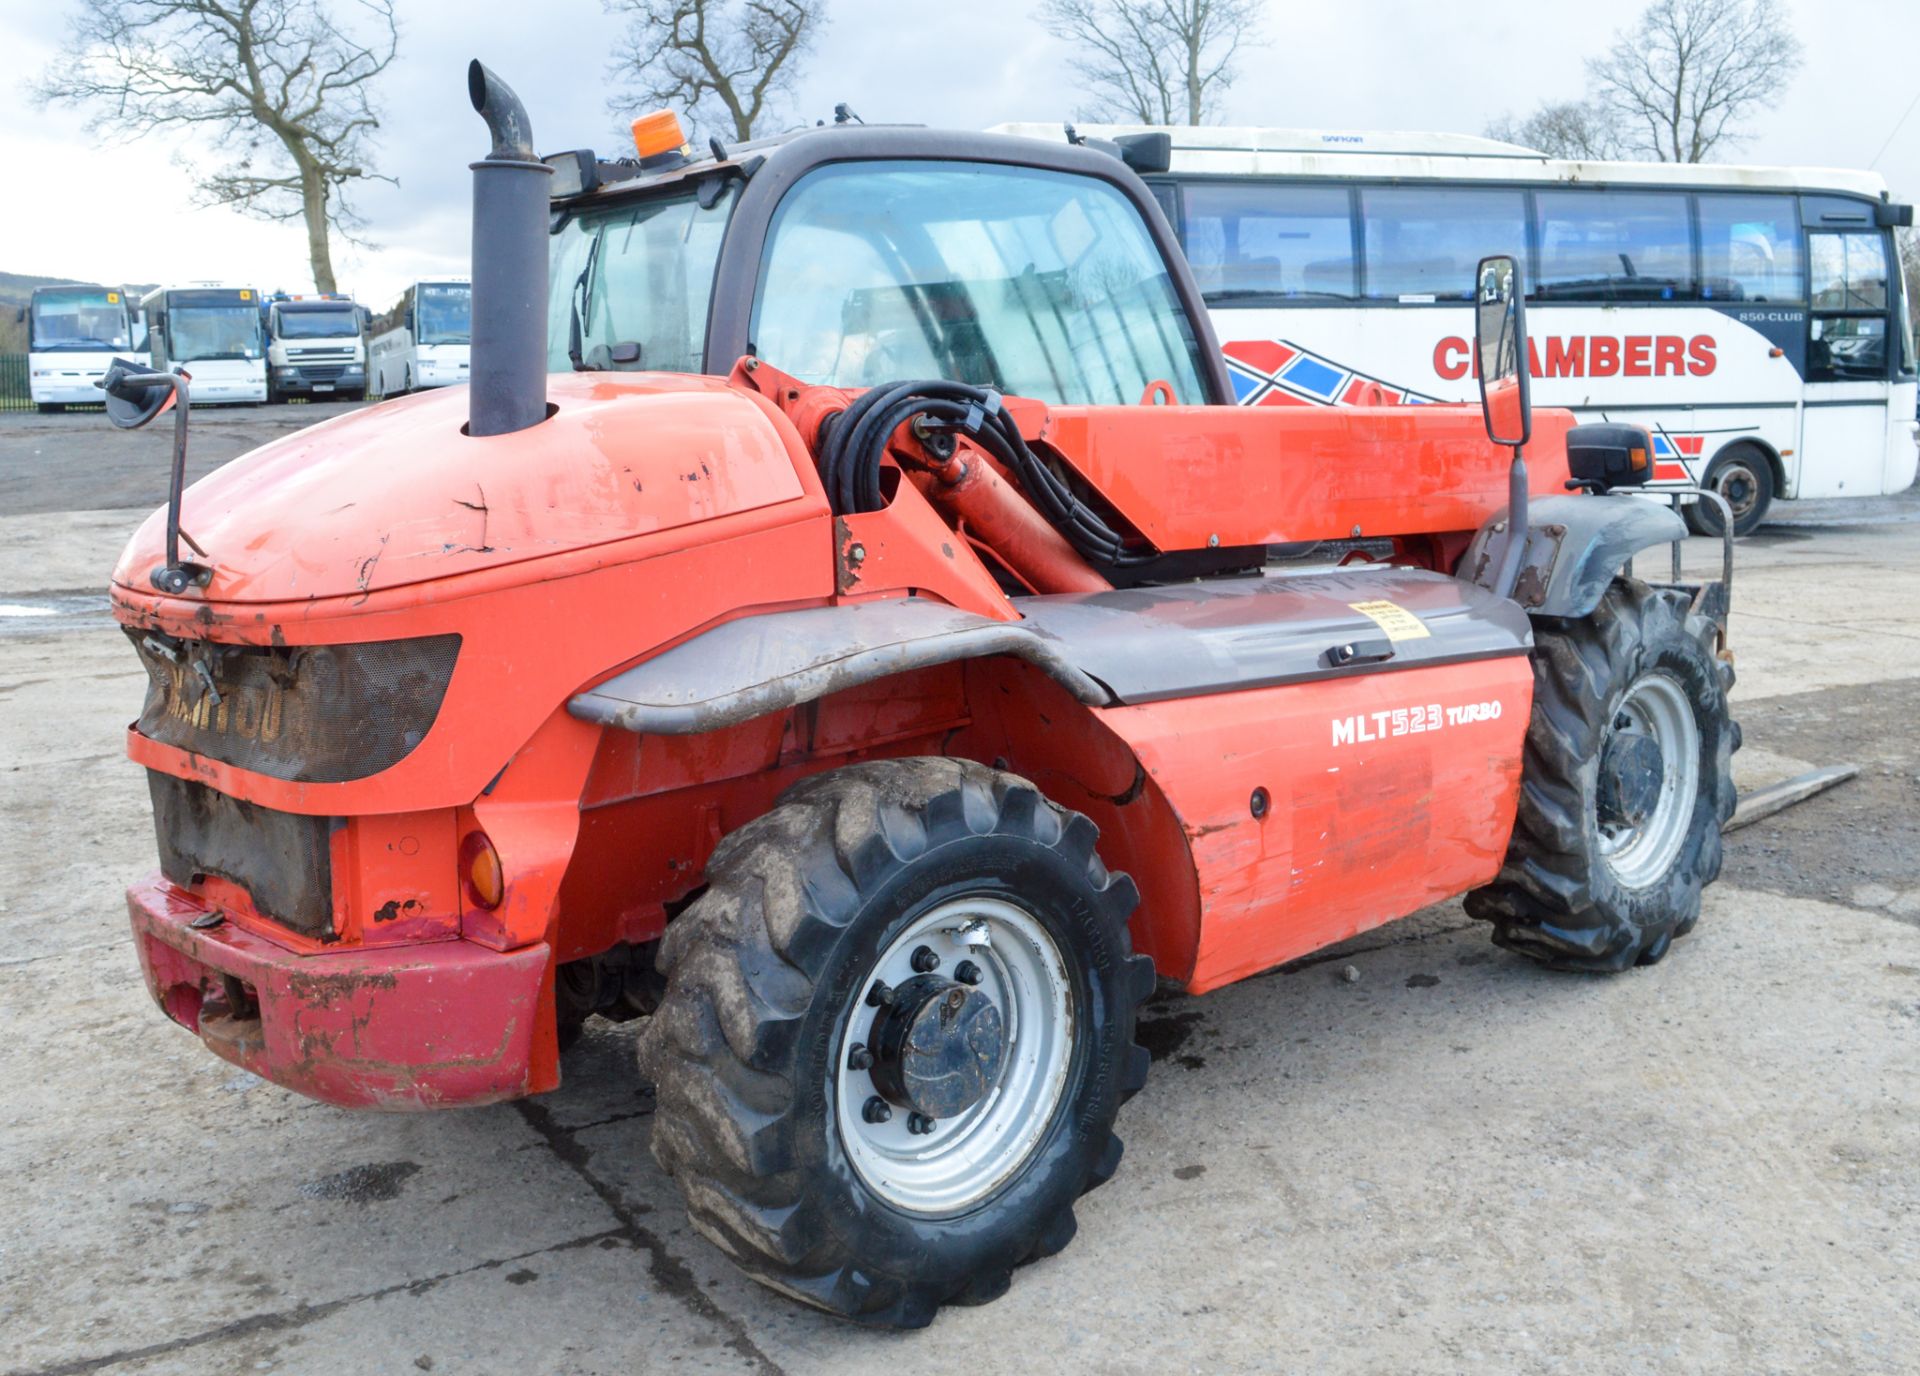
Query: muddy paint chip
{"x":522,"y":1276}
{"x":363,"y":1184}
{"x":1422,"y":981}
{"x":1189,"y":1172}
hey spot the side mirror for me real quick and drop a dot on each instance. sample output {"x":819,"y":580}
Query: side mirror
{"x":135,"y":393}
{"x":1601,"y":457}
{"x":20,"y":316}
{"x":1500,"y":338}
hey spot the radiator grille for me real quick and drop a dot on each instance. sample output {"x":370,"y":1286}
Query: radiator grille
{"x":308,"y":714}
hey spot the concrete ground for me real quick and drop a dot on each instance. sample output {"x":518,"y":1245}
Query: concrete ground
{"x":1454,"y":1162}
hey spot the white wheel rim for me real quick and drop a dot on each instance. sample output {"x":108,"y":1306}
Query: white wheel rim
{"x":1641,"y":855}
{"x":965,"y":1158}
{"x":1738,"y":473}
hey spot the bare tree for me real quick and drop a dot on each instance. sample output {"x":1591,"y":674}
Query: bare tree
{"x":1684,"y":77}
{"x":1582,"y":129}
{"x":724,"y":62}
{"x":1155,"y":61}
{"x":277,"y":86}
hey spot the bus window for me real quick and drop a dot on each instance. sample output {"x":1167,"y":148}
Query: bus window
{"x":1848,"y":336}
{"x":1849,"y":272}
{"x":1040,"y":284}
{"x":1249,"y":239}
{"x":1425,"y":244}
{"x":1614,"y":246}
{"x":1750,"y":248}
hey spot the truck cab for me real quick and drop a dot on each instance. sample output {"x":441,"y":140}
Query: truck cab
{"x":316,"y":347}
{"x":853,"y":254}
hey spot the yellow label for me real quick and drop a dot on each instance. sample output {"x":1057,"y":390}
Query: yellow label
{"x":245,"y":295}
{"x":1394,"y":619}
{"x":113,"y":298}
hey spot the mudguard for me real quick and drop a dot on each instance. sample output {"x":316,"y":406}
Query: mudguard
{"x":1575,"y":546}
{"x":1119,"y":648}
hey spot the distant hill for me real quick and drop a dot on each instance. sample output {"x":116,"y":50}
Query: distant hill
{"x":16,"y":287}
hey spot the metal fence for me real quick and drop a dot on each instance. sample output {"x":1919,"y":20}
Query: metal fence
{"x":13,"y":383}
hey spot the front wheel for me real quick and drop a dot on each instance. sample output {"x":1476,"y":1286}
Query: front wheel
{"x":896,"y":1031}
{"x":1625,"y":782}
{"x":1744,"y":478}
{"x":52,"y":408}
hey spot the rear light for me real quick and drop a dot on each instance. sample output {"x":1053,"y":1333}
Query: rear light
{"x":480,"y":870}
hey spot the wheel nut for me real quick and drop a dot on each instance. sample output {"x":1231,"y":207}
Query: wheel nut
{"x":925,"y":960}
{"x":876,"y":1110}
{"x":859,"y":1058}
{"x":880,"y":995}
{"x":967,"y":972}
{"x":919,"y":1124}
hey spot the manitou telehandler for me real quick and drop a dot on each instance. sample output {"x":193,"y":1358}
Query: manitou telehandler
{"x":881,"y":718}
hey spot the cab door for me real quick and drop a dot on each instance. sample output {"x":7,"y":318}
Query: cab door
{"x":1850,"y":349}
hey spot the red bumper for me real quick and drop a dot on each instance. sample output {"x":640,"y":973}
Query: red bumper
{"x":436,"y":1025}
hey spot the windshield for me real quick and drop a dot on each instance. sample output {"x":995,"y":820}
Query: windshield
{"x":446,"y":314}
{"x":330,"y":324}
{"x":641,"y":274}
{"x":79,"y":320}
{"x":209,"y":333}
{"x":1041,"y":284}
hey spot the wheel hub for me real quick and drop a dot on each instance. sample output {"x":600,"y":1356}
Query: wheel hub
{"x":937,"y":1047}
{"x":1632,"y":768}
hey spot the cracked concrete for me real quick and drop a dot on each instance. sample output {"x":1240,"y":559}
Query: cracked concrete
{"x":1455,"y":1161}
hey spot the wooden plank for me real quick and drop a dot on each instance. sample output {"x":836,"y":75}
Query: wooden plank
{"x":1764,"y":802}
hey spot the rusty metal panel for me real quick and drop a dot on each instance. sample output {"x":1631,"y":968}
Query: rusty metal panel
{"x":308,"y":713}
{"x":281,"y":859}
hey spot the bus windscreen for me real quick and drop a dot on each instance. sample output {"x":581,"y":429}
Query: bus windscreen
{"x":89,"y":320}
{"x":446,"y":313}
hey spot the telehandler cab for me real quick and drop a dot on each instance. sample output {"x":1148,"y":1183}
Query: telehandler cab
{"x":880,"y":741}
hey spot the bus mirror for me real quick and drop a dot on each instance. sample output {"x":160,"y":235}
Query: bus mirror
{"x":1890,"y":216}
{"x":1146,"y":153}
{"x":1500,"y":338}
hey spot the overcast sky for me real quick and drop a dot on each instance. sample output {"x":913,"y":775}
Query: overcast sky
{"x":78,"y":207}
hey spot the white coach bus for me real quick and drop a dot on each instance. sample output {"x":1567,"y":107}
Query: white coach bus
{"x":213,"y":332}
{"x":423,"y":339}
{"x":73,"y":333}
{"x":1750,"y":316}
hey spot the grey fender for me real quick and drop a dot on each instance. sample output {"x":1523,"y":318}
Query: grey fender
{"x":1575,"y":546}
{"x":1125,"y":646}
{"x":759,"y":664}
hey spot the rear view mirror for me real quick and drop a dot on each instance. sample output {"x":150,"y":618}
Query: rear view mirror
{"x":135,"y":393}
{"x":1500,"y":346}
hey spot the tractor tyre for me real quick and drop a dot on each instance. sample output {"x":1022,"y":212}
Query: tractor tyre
{"x":1744,"y":477}
{"x":896,"y":1030}
{"x":1625,"y":783}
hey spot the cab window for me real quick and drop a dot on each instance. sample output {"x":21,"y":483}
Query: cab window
{"x":1037,"y":283}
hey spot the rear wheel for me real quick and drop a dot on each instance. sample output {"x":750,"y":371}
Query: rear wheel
{"x":1744,"y":478}
{"x":896,"y":1030}
{"x":1626,"y":780}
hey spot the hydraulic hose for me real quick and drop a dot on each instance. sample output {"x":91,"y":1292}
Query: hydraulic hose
{"x":853,"y":444}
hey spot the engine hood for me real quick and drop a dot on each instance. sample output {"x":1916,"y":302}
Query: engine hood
{"x":396,"y":494}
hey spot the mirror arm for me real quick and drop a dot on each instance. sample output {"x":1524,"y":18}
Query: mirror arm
{"x":1516,"y":543}
{"x":176,"y":576}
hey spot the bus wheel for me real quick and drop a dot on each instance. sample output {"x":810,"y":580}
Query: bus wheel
{"x":896,"y":1030}
{"x":1626,"y":780}
{"x":1744,"y":478}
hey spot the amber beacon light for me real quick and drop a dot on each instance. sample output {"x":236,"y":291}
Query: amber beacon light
{"x":657,"y":132}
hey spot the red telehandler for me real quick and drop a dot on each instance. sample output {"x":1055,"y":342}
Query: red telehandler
{"x":880,"y":717}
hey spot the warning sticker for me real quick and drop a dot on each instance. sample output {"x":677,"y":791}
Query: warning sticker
{"x":1394,"y":619}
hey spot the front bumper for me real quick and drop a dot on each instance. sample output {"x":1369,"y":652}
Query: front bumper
{"x":434,"y":1025}
{"x":67,"y":389}
{"x":322,"y":380}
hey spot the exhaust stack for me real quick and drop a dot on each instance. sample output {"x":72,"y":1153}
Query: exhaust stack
{"x":508,"y":389}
